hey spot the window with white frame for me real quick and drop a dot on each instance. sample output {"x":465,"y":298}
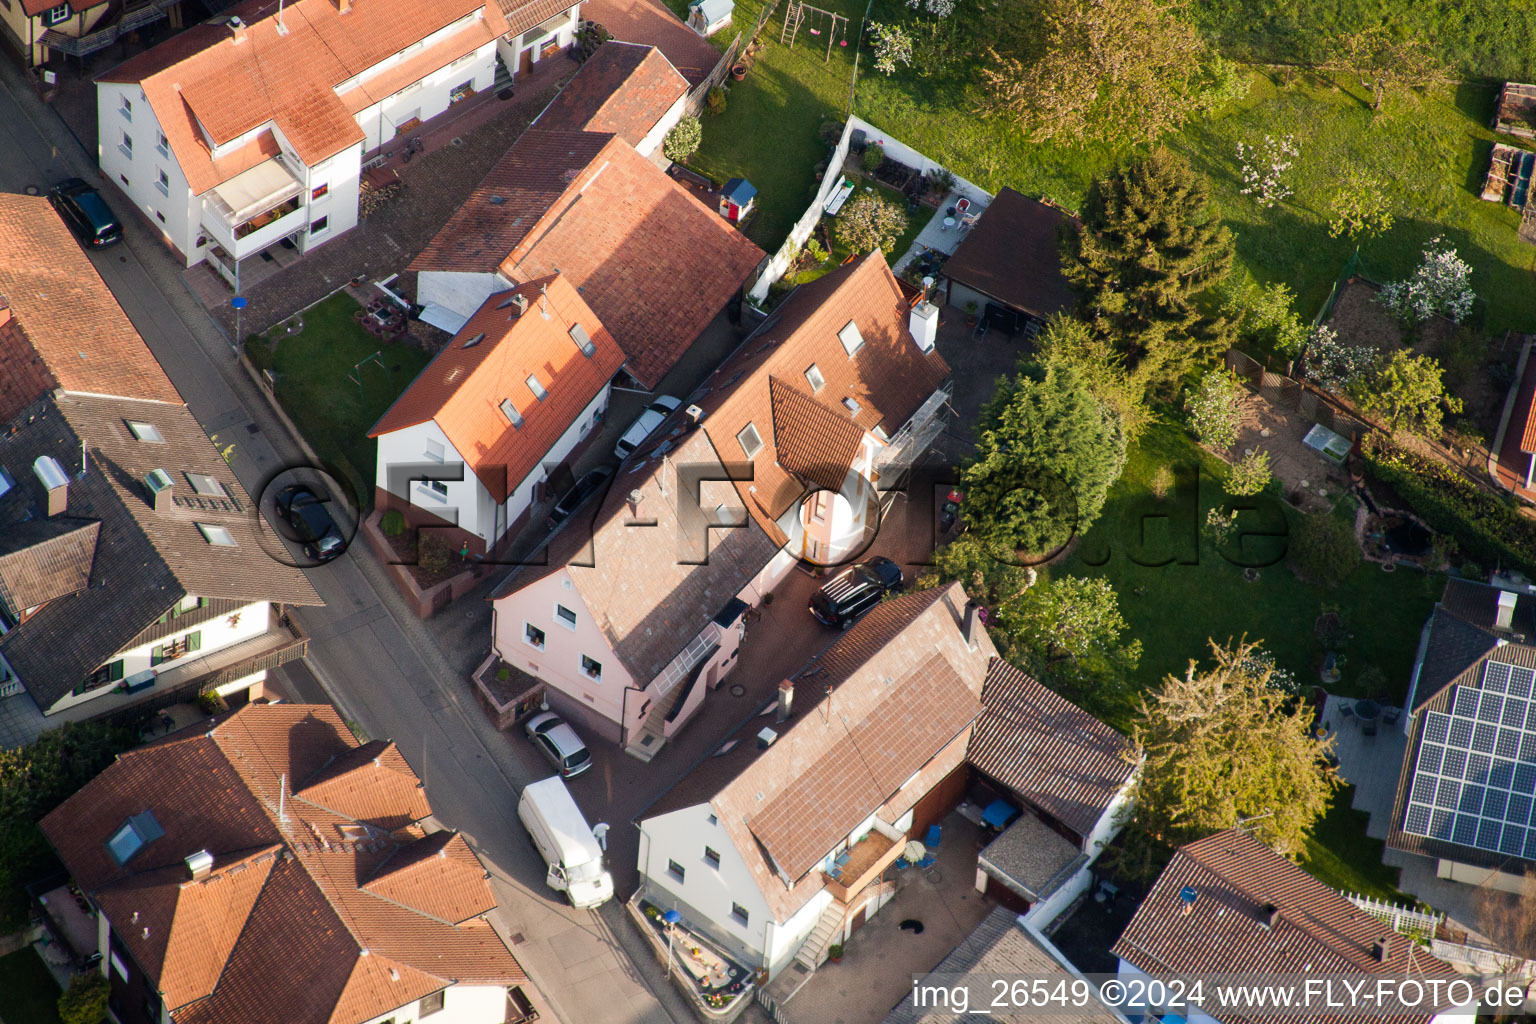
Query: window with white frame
{"x":536,"y":387}
{"x":126,"y":108}
{"x":739,"y":914}
{"x":218,"y":536}
{"x":850,"y":337}
{"x":320,"y":225}
{"x":565,"y":616}
{"x":533,"y":636}
{"x":751,"y":442}
{"x":126,"y":145}
{"x":57,"y":15}
{"x":163,"y":146}
{"x":592,"y":668}
{"x":435,"y":450}
{"x":162,"y":181}
{"x":814,"y":378}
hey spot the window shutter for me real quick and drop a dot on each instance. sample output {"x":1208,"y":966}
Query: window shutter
{"x":116,"y":672}
{"x":195,"y":641}
{"x":157,"y":655}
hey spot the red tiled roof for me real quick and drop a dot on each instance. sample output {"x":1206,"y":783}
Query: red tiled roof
{"x":25,"y":375}
{"x":1014,"y":254}
{"x":522,"y":15}
{"x":1234,"y":876}
{"x":74,"y":324}
{"x":651,"y":23}
{"x":229,"y":86}
{"x":1525,"y":408}
{"x":462,"y":388}
{"x":361,"y":904}
{"x":811,"y":440}
{"x":623,"y":88}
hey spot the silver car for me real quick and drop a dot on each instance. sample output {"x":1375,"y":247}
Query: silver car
{"x":645,"y":425}
{"x":559,"y":743}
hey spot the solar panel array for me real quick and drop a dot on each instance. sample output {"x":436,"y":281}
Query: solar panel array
{"x":1475,"y":780}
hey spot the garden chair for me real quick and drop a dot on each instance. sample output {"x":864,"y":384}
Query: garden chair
{"x":927,"y":862}
{"x":933,"y":837}
{"x":1389,"y":716}
{"x":1347,"y":713}
{"x":1368,"y":729}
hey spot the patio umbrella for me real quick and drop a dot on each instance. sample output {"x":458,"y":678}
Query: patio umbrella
{"x":1367,"y":710}
{"x":915,"y":851}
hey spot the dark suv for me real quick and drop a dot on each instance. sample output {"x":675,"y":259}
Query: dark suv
{"x":854,"y":591}
{"x":312,"y":524}
{"x":86,"y":213}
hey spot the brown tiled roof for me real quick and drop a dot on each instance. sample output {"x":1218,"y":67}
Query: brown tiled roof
{"x":623,"y":88}
{"x":370,"y":782}
{"x":888,"y":379}
{"x":23,"y":374}
{"x":363,"y":906}
{"x":437,"y":875}
{"x":1000,"y":947}
{"x":462,"y":388}
{"x":290,"y":78}
{"x":44,"y":559}
{"x":1523,"y":422}
{"x":1318,"y":933}
{"x":904,"y":690}
{"x":649,"y":22}
{"x":1050,"y":752}
{"x":1014,"y":254}
{"x":522,"y":15}
{"x":144,"y":561}
{"x":811,"y":440}
{"x":73,"y":322}
{"x":586,"y":205}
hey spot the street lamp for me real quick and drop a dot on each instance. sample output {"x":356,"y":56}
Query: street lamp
{"x":239,"y":302}
{"x":671,"y":917}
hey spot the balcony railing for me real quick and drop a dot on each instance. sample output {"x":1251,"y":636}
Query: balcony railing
{"x":261,"y":220}
{"x":866,"y":859}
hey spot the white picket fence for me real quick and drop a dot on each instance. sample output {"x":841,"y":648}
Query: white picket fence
{"x":1399,"y":918}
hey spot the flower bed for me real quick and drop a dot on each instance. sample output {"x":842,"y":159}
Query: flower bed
{"x":704,"y":970}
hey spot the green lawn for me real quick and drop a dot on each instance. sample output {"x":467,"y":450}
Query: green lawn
{"x":768,"y":132}
{"x":915,"y":224}
{"x":1175,"y":608}
{"x":317,"y":385}
{"x":1431,"y":153}
{"x":1341,"y":855}
{"x":28,"y":993}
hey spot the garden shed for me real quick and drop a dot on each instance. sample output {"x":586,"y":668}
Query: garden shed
{"x":706,"y":17}
{"x":1011,"y":261}
{"x":736,"y":199}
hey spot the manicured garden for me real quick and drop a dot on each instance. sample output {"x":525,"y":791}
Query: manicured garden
{"x":330,"y":398}
{"x":1174,"y":609}
{"x":28,"y":992}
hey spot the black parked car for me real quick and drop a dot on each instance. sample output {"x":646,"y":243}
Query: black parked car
{"x":86,"y":213}
{"x":854,"y":591}
{"x":305,"y":511}
{"x":577,"y":496}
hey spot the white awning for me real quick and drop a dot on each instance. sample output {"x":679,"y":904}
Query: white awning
{"x":443,"y":318}
{"x":253,"y":192}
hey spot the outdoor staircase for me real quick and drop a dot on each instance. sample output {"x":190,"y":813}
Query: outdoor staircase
{"x":649,"y":740}
{"x":503,"y":76}
{"x":814,"y":950}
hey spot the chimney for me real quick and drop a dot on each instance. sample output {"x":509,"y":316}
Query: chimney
{"x":972,"y":625}
{"x":924,"y":324}
{"x":51,"y":475}
{"x":786,"y":699}
{"x":1269,"y":916}
{"x":161,"y":490}
{"x":200,"y":864}
{"x":238,"y":28}
{"x":694,"y":414}
{"x":765,"y":738}
{"x":344,"y":6}
{"x":519,"y":303}
{"x":1506,"y":616}
{"x":1381,"y":949}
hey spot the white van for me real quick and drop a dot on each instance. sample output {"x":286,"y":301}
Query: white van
{"x":566,"y":842}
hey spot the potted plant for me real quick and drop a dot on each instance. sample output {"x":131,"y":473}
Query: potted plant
{"x":971,"y":312}
{"x":835,"y":952}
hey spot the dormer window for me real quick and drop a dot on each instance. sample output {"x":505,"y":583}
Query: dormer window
{"x":510,"y":412}
{"x":850,"y":337}
{"x":751,"y":442}
{"x":536,"y":387}
{"x":134,"y":834}
{"x":583,"y":342}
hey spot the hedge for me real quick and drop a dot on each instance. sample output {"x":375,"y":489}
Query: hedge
{"x":1487,"y":526}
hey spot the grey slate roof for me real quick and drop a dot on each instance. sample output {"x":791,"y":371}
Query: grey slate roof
{"x":1031,"y":858}
{"x":143,"y":561}
{"x":1000,"y":948}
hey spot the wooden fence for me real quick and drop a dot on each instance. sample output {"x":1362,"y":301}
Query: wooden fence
{"x":1289,"y":395}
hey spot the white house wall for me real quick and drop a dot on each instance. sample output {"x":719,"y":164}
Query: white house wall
{"x":654,"y":138}
{"x":173,"y":211}
{"x":462,"y":1004}
{"x":217,"y":634}
{"x":705,"y":895}
{"x":426,"y":98}
{"x":511,"y":50}
{"x":460,"y":292}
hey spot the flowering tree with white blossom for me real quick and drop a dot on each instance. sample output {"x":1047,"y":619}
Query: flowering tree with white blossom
{"x":1441,"y":284}
{"x":1264,"y":166}
{"x":1336,"y":366}
{"x":937,"y":8}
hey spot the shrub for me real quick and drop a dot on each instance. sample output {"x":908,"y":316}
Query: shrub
{"x":868,"y":223}
{"x":1323,"y":550}
{"x":815,"y":250}
{"x":872,"y":157}
{"x":393,"y":523}
{"x":892,"y":46}
{"x":85,"y":1001}
{"x":1487,"y":527}
{"x":433,"y":552}
{"x":1162,"y":482}
{"x":1213,"y":409}
{"x":683,"y":139}
{"x":1441,"y":284}
{"x":1336,"y":366}
{"x":715,"y":100}
{"x":1250,"y":475}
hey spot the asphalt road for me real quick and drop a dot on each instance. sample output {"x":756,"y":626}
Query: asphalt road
{"x":368,"y":654}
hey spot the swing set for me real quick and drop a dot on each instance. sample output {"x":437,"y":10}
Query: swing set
{"x":833,"y":22}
